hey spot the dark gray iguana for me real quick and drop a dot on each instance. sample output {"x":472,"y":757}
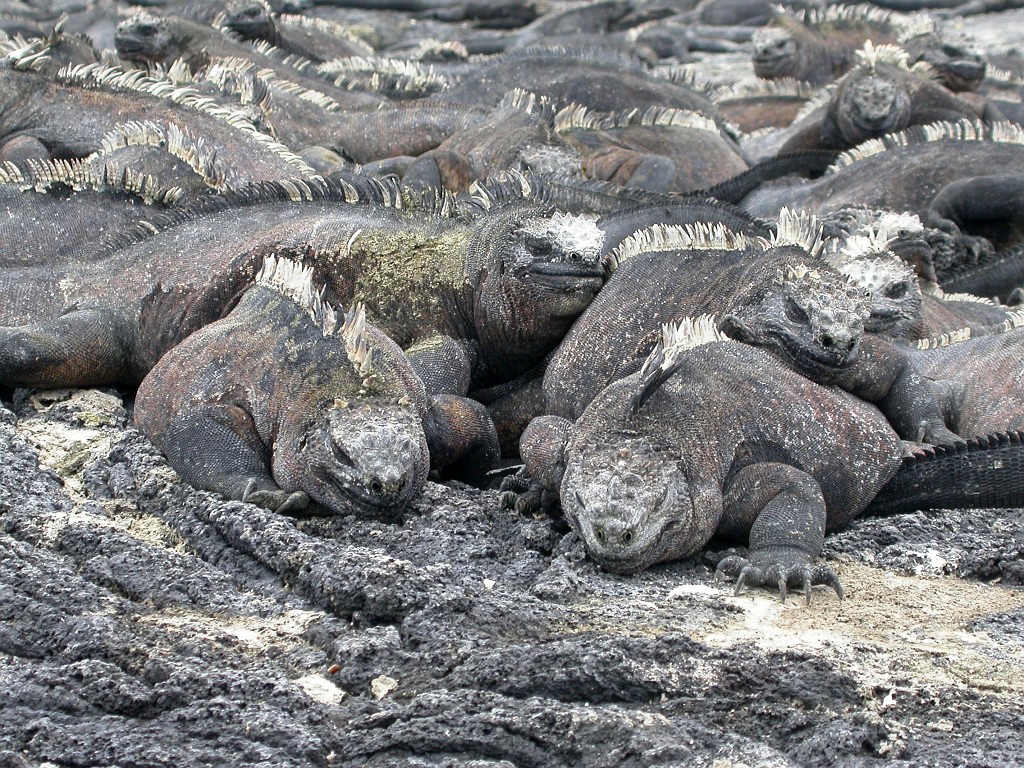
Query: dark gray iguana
{"x":723,"y":439}
{"x":475,"y":300}
{"x":286,"y":400}
{"x":773,"y":293}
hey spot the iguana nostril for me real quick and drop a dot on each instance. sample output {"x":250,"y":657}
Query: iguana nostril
{"x":376,"y":486}
{"x":599,"y":534}
{"x":627,"y":537}
{"x":827,"y":341}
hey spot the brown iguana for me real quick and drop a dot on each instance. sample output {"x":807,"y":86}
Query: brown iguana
{"x":286,"y":400}
{"x":788,"y":460}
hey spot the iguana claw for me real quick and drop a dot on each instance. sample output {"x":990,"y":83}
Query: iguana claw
{"x":276,"y":501}
{"x":771,"y":569}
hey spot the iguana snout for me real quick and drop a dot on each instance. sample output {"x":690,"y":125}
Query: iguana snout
{"x":371,"y":460}
{"x":774,"y":49}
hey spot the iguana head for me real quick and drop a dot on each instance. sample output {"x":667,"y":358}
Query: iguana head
{"x":776,"y":51}
{"x":894,"y":295}
{"x":808,"y":313}
{"x":629,"y":500}
{"x":959,"y":63}
{"x":365,"y":457}
{"x":554,"y":261}
{"x":147,"y":37}
{"x":870,"y":103}
{"x":249,"y":19}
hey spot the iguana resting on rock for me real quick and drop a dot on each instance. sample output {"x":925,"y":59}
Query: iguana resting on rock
{"x":881,"y":95}
{"x":776,"y":294}
{"x":284,"y":400}
{"x":928,"y":170}
{"x":712,"y":437}
{"x":475,"y":300}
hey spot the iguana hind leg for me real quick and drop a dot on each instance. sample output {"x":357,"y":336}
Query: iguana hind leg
{"x":84,"y":347}
{"x":784,"y":510}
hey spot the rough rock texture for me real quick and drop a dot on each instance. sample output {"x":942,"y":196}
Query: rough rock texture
{"x":146,"y":623}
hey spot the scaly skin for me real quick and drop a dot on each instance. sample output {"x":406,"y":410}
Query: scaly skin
{"x":879,"y":96}
{"x":502,"y":287}
{"x":284,"y":400}
{"x":72,"y":114}
{"x":641,"y":483}
{"x":650,"y":487}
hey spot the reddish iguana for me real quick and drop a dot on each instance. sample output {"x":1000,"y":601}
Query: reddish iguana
{"x":285,"y":400}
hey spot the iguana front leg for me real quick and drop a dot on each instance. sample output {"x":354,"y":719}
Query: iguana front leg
{"x":443,"y":363}
{"x":783,"y":509}
{"x":542,"y":448}
{"x":884,"y":374}
{"x":216,"y":447}
{"x":80,"y":348}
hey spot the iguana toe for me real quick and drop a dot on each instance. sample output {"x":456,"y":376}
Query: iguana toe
{"x":781,"y":568}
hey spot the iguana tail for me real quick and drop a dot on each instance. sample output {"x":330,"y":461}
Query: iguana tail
{"x":987,"y":471}
{"x":809,"y":163}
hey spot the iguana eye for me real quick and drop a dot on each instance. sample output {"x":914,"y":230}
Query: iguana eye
{"x":795,"y":312}
{"x":897,"y":291}
{"x":340,"y":455}
{"x":539,"y":246}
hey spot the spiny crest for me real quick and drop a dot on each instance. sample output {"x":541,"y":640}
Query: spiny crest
{"x":295,"y":282}
{"x":961,"y":130}
{"x":86,"y":174}
{"x":945,"y":339}
{"x":357,"y":342}
{"x":866,"y":244}
{"x":23,"y":56}
{"x":799,"y":228}
{"x":688,"y":76}
{"x":687,"y":333}
{"x":348,"y":33}
{"x":499,"y":188}
{"x":937,"y":292}
{"x":528,"y":102}
{"x":192,"y":150}
{"x":898,"y":224}
{"x":433,"y":49}
{"x":795,"y":272}
{"x":372,"y":73}
{"x":579,"y":117}
{"x":98,"y":76}
{"x":294,"y":61}
{"x":675,"y":237}
{"x":870,"y":56}
{"x":832,"y":13}
{"x":753,"y":89}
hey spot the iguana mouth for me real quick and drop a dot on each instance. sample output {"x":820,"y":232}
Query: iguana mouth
{"x":562,"y":276}
{"x":364,"y":503}
{"x":810,"y":357}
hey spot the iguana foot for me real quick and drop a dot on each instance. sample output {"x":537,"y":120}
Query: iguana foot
{"x":778,"y":566}
{"x":276,"y":501}
{"x":526,"y":497}
{"x":938,"y":434}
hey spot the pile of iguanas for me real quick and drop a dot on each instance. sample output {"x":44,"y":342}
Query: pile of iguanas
{"x":336,"y":254}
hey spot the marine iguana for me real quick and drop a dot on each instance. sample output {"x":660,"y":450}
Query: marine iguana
{"x":641,"y":483}
{"x":286,"y":400}
{"x":474,"y":299}
{"x":72,"y":113}
{"x":918,"y":164}
{"x":317,"y":40}
{"x":902,"y":307}
{"x":774,"y":293}
{"x":881,"y":95}
{"x":665,"y":150}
